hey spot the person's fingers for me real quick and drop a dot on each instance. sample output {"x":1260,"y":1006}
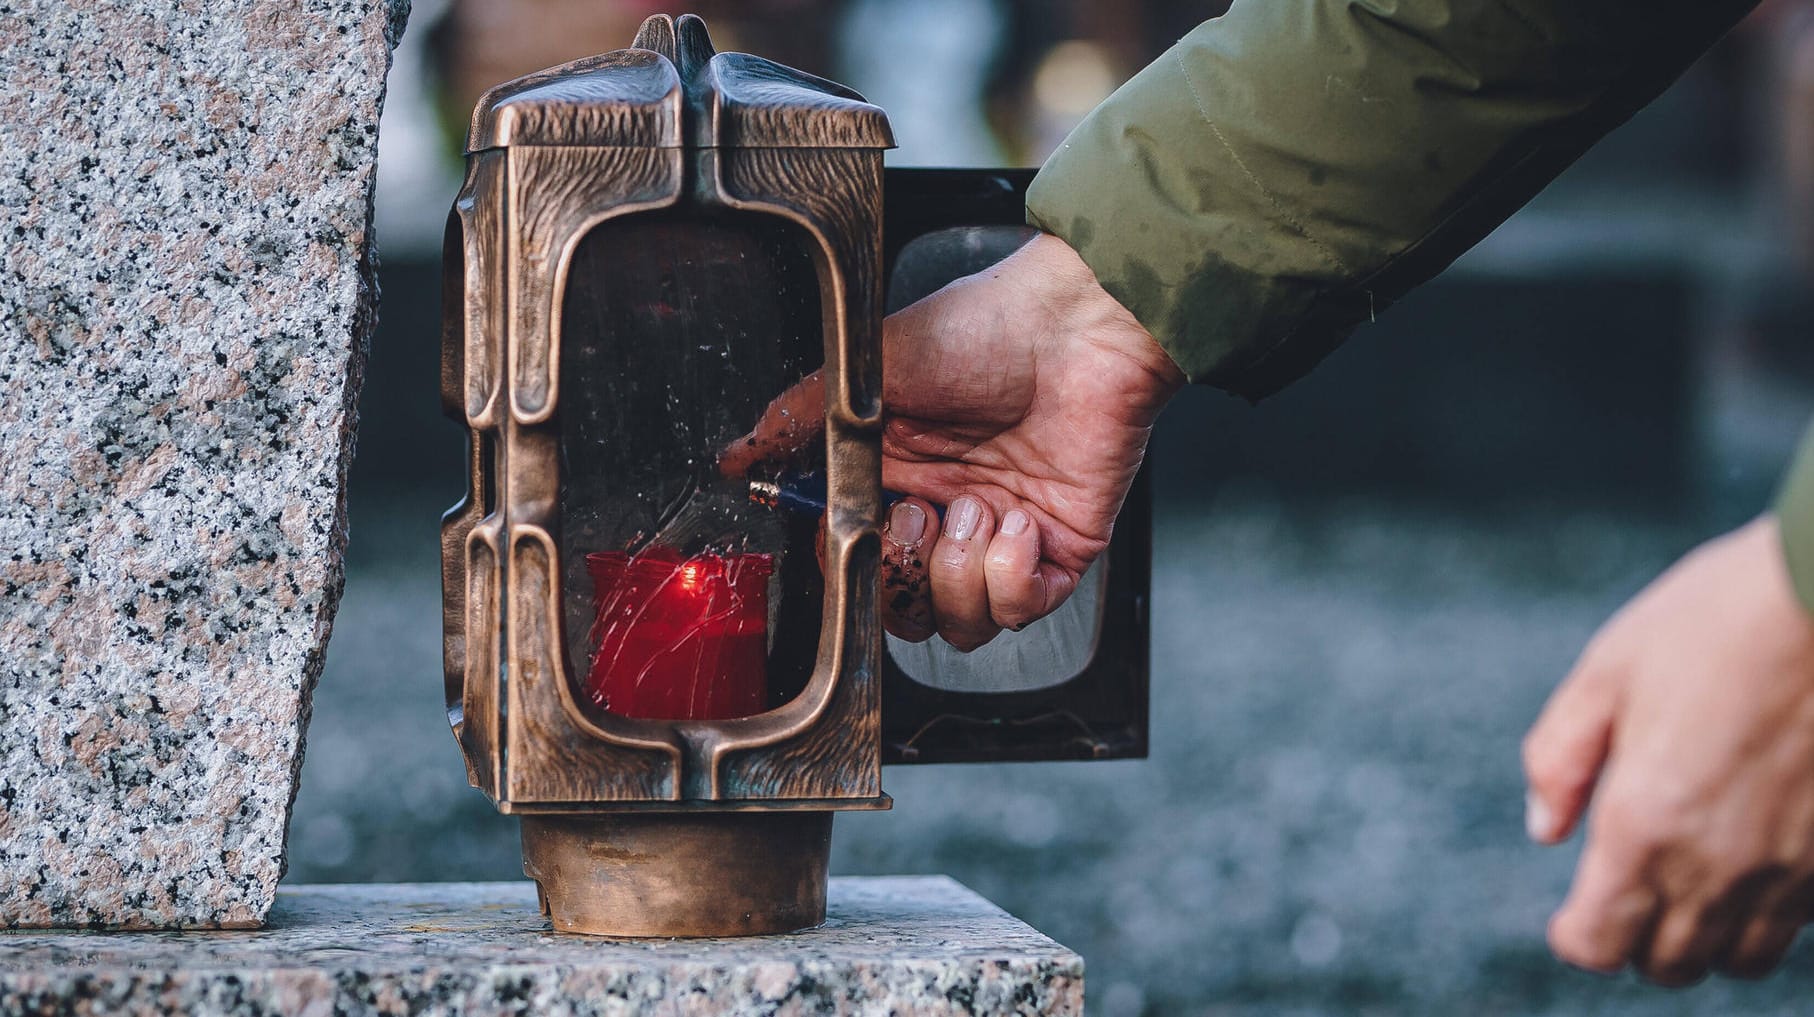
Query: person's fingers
{"x":1609,"y":911}
{"x":911,"y":527}
{"x":1765,"y":938}
{"x":788,"y":425}
{"x":1761,"y":946}
{"x":960,"y":589}
{"x":1687,"y":941}
{"x":1022,"y":588}
{"x":1565,"y":749}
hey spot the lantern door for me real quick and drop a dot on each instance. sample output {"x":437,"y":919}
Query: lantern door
{"x":1074,"y":684}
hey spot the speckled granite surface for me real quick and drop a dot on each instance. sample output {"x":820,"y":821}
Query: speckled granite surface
{"x":900,"y":945}
{"x":185,"y":298}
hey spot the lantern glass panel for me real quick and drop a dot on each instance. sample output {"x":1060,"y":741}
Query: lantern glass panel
{"x":1049,"y":652}
{"x":686,"y":595}
{"x":931,"y":260}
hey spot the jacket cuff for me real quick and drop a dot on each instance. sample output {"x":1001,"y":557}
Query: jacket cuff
{"x":1795,"y":520}
{"x":1156,"y":213}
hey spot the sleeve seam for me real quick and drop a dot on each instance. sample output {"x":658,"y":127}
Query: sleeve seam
{"x":1278,"y":207}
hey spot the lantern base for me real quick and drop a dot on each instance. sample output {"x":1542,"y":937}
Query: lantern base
{"x":680,"y":874}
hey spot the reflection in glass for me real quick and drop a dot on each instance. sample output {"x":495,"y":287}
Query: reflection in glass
{"x":1048,"y":652}
{"x":683,"y":597}
{"x":934,"y":259}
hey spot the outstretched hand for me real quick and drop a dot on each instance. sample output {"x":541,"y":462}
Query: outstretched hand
{"x":1020,"y":399}
{"x":1689,"y":722}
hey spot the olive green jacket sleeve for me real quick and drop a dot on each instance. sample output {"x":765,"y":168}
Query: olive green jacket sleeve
{"x":1795,"y":518}
{"x":1287,"y":170}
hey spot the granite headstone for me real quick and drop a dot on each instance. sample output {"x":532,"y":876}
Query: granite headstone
{"x":922,"y":945}
{"x":186,"y":292}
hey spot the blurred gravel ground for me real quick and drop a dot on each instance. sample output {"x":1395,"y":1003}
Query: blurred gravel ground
{"x":1330,"y":822}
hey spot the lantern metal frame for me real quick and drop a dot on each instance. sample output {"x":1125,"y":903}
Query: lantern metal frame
{"x":644,"y":827}
{"x":666,"y":124}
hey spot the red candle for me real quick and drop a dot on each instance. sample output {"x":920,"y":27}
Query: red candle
{"x":679,"y":638}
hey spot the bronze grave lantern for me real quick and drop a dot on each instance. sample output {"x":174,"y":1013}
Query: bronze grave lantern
{"x":669,"y":672}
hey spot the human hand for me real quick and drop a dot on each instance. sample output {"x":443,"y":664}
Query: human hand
{"x":1019,"y":398}
{"x":1689,"y":719}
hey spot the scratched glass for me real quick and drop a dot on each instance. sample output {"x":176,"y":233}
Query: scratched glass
{"x":685,"y":597}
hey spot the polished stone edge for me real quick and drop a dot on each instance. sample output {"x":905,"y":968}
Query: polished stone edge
{"x":890,"y":945}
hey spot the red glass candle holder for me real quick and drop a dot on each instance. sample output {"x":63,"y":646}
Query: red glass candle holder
{"x":679,"y":638}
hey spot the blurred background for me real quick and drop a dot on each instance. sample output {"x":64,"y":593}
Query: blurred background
{"x":1363,"y":588}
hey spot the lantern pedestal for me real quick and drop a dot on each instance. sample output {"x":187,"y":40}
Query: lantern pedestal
{"x":685,"y":874}
{"x":920,"y":945}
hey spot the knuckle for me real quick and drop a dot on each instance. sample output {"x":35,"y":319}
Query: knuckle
{"x":953,"y":558}
{"x":1627,"y":830}
{"x":1017,"y":610}
{"x":1005,"y":567}
{"x":907,"y":615}
{"x":1583,"y":951}
{"x":1591,"y":939}
{"x":1736,"y":883}
{"x":1014,"y":603}
{"x":1676,"y":964}
{"x":1764,"y":956}
{"x":1777,"y":869}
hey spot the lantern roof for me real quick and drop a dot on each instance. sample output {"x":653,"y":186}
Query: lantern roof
{"x":671,"y":89}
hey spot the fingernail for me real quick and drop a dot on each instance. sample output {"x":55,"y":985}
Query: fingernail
{"x":1015,"y":523}
{"x":965,"y":512}
{"x":1539,"y":821}
{"x":907,"y":523}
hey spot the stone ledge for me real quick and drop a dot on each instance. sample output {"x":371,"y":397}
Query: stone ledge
{"x":894,"y":945}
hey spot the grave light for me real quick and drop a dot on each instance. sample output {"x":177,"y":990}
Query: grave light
{"x":664,"y":284}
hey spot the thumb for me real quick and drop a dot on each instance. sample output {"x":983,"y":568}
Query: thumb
{"x":1565,"y":750}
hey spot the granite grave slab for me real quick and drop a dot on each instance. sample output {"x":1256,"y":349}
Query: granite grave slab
{"x":921,"y":945}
